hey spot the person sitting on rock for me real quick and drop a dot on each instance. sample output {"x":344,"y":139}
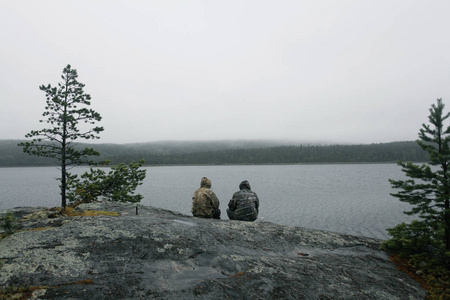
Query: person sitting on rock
{"x":205,"y":203}
{"x":244,"y":205}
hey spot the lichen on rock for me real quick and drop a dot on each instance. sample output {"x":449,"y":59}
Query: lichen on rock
{"x":166,"y":255}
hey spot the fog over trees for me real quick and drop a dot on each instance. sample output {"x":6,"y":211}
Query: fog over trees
{"x":229,"y":152}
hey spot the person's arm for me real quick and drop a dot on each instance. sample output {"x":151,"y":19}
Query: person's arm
{"x":232,"y":204}
{"x":214,"y":200}
{"x":256,"y":202}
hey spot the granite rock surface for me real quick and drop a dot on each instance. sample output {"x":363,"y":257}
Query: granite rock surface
{"x":159,"y":254}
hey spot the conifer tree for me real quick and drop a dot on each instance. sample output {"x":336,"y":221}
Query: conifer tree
{"x":69,"y":120}
{"x":428,"y":189}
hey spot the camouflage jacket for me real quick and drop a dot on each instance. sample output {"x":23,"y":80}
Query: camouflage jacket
{"x":204,"y":203}
{"x":243,"y":206}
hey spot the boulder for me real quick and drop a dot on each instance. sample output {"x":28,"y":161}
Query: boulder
{"x":159,"y":254}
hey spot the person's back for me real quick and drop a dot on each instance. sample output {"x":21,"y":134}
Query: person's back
{"x":204,"y":201}
{"x":244,"y":205}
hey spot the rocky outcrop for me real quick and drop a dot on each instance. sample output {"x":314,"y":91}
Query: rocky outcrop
{"x":160,"y":254}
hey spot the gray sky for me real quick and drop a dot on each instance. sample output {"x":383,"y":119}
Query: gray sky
{"x":334,"y":71}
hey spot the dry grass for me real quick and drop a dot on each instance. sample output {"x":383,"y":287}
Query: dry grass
{"x":91,"y":213}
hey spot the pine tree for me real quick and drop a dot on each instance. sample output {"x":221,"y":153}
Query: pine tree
{"x":428,"y":190}
{"x":69,"y":120}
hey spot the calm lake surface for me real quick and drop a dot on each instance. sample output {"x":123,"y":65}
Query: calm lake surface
{"x":347,"y":198}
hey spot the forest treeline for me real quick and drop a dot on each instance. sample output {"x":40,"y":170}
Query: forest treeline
{"x":229,"y":152}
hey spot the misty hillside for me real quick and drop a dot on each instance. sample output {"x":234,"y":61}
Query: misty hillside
{"x":229,"y":152}
{"x":198,"y":146}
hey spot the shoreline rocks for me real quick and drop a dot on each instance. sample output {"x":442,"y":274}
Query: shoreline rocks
{"x":160,"y":254}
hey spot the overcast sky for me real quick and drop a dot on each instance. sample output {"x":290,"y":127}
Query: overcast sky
{"x":314,"y":71}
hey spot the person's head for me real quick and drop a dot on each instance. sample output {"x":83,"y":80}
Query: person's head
{"x":244,"y":185}
{"x":205,"y":182}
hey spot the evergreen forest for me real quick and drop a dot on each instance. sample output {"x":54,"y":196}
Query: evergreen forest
{"x":229,"y":152}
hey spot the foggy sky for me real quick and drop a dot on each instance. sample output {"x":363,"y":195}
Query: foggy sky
{"x":315,"y":71}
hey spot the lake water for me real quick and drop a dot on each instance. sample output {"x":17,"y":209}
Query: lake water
{"x":346,"y":198}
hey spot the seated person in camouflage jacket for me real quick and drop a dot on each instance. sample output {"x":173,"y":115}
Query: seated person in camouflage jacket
{"x":244,"y":205}
{"x":204,"y":202}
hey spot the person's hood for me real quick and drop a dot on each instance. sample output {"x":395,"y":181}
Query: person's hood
{"x":244,"y":185}
{"x":205,"y":182}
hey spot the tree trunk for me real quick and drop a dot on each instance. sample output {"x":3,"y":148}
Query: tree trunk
{"x":63,"y":148}
{"x":63,"y":185}
{"x":63,"y":173}
{"x":447,"y":224}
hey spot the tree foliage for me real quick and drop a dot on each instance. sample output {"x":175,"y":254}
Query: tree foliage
{"x":416,"y":237}
{"x":427,"y":190}
{"x":157,"y":154}
{"x":118,"y":185}
{"x":68,"y":119}
{"x":8,"y":223}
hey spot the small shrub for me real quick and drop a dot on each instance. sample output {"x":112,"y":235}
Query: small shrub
{"x":431,"y":272}
{"x":414,"y":238}
{"x":8,"y":223}
{"x":118,"y":185}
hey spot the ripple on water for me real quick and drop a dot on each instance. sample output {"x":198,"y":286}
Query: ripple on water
{"x":353,"y":199}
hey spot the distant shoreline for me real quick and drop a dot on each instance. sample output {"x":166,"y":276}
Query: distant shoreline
{"x":218,"y":165}
{"x":229,"y":153}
